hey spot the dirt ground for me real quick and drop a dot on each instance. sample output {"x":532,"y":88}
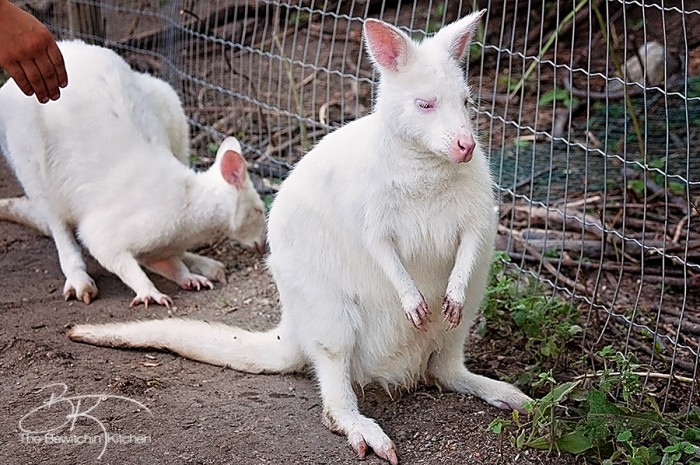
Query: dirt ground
{"x":190,"y":413}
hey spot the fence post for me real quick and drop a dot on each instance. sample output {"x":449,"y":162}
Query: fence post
{"x":85,"y":21}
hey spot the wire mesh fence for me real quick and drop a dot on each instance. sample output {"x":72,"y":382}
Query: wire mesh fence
{"x":588,"y":109}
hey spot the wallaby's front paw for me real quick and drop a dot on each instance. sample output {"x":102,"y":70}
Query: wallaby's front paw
{"x":370,"y":435}
{"x":419,"y":314}
{"x":452,"y":311}
{"x":81,"y":287}
{"x":195,"y":282}
{"x":152,"y":296}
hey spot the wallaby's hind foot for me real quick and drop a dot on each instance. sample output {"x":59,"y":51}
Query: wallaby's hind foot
{"x":80,"y":286}
{"x":497,"y":393}
{"x":174,"y":269}
{"x":454,"y":376}
{"x":364,"y":433}
{"x":212,"y":269}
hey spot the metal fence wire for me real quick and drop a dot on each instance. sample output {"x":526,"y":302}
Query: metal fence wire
{"x":588,"y":109}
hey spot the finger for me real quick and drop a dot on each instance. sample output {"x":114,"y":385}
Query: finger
{"x":17,"y":73}
{"x":57,"y":59}
{"x":35,"y":80}
{"x":48,"y":74}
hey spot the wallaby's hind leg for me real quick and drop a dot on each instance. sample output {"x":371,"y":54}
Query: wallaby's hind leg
{"x":447,"y":368}
{"x":124,"y":265}
{"x":212,"y":269}
{"x":175,"y":270}
{"x":340,"y":410}
{"x":329,"y":347}
{"x":21,"y":210}
{"x":78,"y":283}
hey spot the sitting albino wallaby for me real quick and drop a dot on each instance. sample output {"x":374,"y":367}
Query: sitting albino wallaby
{"x":381,"y":241}
{"x":107,"y":163}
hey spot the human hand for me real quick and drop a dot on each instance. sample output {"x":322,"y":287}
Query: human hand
{"x":29,"y":54}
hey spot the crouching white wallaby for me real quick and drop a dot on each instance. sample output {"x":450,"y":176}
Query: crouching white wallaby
{"x":381,"y":241}
{"x":108,"y":163}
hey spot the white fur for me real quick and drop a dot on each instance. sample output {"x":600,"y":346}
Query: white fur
{"x":107,"y":163}
{"x":376,"y":238}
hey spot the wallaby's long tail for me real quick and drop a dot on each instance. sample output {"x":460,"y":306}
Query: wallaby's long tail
{"x":273,"y":351}
{"x":20,"y":210}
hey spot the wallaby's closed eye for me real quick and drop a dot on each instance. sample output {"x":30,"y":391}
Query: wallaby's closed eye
{"x":106,"y":165}
{"x":381,"y":241}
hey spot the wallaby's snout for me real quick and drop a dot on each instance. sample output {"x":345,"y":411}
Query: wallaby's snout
{"x":251,"y":231}
{"x":462,"y":148}
{"x":258,"y":246}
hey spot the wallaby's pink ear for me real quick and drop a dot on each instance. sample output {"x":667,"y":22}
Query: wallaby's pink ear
{"x":388,"y":46}
{"x":459,"y":34}
{"x":233,"y":168}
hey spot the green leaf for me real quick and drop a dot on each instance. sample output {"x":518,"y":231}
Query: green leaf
{"x":574,"y":443}
{"x":636,"y":185}
{"x":624,"y":436}
{"x":642,"y":456}
{"x":541,"y":442}
{"x":599,"y":404}
{"x":677,"y":188}
{"x":549,"y":348}
{"x":690,"y":449}
{"x":574,"y":330}
{"x":606,"y":351}
{"x":556,"y":94}
{"x":497,"y":426}
{"x":559,"y":393}
{"x":520,"y":439}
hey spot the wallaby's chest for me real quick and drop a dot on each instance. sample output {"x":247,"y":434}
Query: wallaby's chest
{"x":424,"y":218}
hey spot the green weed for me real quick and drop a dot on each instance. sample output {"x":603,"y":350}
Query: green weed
{"x":655,"y":172}
{"x":557,"y":94}
{"x":517,"y":307}
{"x":606,"y":417}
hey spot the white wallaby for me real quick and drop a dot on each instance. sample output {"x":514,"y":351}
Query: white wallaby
{"x":108,"y":163}
{"x":381,"y":241}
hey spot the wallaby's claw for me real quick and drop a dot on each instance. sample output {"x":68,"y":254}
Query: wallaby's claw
{"x":419,"y":315}
{"x":381,"y":445}
{"x":81,"y":288}
{"x":517,"y":402}
{"x":506,"y":396}
{"x":360,"y":448}
{"x":155,"y":297}
{"x":452,"y":311}
{"x":196,"y":282}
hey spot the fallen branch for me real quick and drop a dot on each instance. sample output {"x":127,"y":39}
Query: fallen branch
{"x":645,"y":374}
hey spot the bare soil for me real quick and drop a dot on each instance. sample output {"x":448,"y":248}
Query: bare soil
{"x":196,"y":413}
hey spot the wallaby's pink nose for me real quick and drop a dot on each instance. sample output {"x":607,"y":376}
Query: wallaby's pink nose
{"x":462,"y":149}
